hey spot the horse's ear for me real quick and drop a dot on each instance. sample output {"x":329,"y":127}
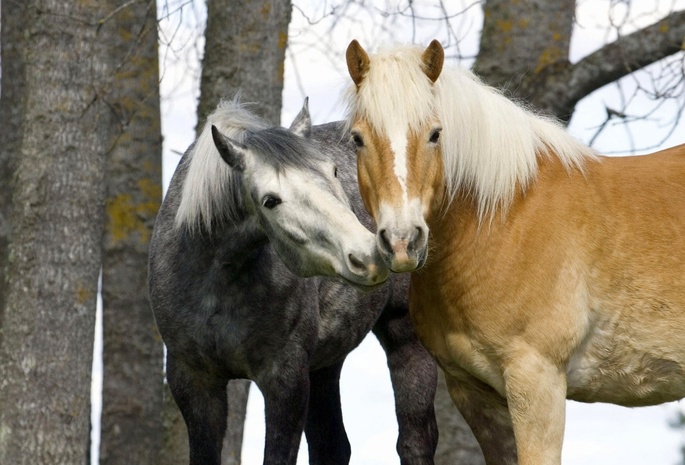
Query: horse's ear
{"x":433,"y":58}
{"x":357,"y":62}
{"x":231,"y":152}
{"x":302,"y":124}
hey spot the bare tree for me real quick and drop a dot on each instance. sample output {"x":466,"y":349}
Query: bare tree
{"x":67,"y":129}
{"x":131,"y":431}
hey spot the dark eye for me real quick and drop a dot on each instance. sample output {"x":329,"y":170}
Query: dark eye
{"x":435,"y":135}
{"x":357,"y":138}
{"x":335,"y":171}
{"x":271,"y":201}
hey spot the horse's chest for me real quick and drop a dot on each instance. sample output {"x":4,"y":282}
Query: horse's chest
{"x":345,"y":317}
{"x":451,"y":338}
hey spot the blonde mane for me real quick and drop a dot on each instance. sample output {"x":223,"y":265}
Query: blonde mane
{"x":490,"y":144}
{"x":209,"y":186}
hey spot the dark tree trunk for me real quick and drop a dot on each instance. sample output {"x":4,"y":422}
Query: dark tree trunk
{"x":132,"y":349}
{"x":524,"y":47}
{"x":11,"y":106}
{"x":456,"y":444}
{"x":244,"y":51}
{"x":54,"y":249}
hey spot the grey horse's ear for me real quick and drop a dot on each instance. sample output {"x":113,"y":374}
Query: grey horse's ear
{"x":302,"y":125}
{"x":232,"y":152}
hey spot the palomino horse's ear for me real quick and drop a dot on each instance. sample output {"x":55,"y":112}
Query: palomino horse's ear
{"x":231,"y":152}
{"x":433,"y":58}
{"x":302,"y":124}
{"x":357,"y":62}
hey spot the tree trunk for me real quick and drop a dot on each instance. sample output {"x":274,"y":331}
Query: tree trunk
{"x":11,"y":106}
{"x":457,"y":444}
{"x":132,"y":349}
{"x":54,"y":248}
{"x":244,"y":51}
{"x":524,"y":46}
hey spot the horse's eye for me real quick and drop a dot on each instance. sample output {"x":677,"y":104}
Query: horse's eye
{"x":271,"y":201}
{"x":335,"y":171}
{"x":357,"y":138}
{"x":435,"y":135}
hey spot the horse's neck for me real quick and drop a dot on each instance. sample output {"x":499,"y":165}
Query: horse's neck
{"x":239,"y":244}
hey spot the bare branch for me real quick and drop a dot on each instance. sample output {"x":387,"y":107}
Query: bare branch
{"x":627,"y":54}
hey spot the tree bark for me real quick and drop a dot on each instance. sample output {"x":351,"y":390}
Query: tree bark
{"x":524,"y":49}
{"x":244,"y":51}
{"x":54,"y":249}
{"x":11,"y":106}
{"x":457,"y":444}
{"x":132,"y":349}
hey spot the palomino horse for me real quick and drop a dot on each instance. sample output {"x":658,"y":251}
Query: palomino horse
{"x":553,"y":273}
{"x":231,"y":242}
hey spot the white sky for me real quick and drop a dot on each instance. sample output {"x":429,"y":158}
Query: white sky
{"x":595,"y":434}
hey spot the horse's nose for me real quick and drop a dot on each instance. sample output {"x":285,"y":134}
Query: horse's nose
{"x":369,"y":268}
{"x":402,"y":249}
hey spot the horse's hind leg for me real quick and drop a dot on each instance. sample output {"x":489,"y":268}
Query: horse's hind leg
{"x":203,"y":405}
{"x":413,"y":374}
{"x":486,"y":413}
{"x":326,"y":436}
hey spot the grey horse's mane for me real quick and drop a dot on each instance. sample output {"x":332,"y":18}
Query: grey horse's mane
{"x":211,"y":190}
{"x":209,"y":181}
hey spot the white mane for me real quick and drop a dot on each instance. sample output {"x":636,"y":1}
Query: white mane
{"x":490,"y":145}
{"x":208,"y":188}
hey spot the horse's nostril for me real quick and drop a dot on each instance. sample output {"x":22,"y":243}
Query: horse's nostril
{"x":356,"y":263}
{"x":384,"y":243}
{"x":416,"y":239}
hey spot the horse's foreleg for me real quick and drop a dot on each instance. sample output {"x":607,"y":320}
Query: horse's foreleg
{"x":413,"y":374}
{"x":536,"y":395}
{"x":326,"y":436}
{"x":203,"y":404}
{"x":286,"y":396}
{"x":485,"y":411}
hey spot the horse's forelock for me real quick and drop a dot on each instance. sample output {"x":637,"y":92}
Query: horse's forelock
{"x":210,"y":189}
{"x":395,"y":92}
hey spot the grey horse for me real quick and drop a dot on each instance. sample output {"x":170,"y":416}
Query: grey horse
{"x":255,"y":262}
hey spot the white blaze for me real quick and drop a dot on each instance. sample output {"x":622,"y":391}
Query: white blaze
{"x":398,"y":145}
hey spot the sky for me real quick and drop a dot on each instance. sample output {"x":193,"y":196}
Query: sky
{"x":595,"y":433}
